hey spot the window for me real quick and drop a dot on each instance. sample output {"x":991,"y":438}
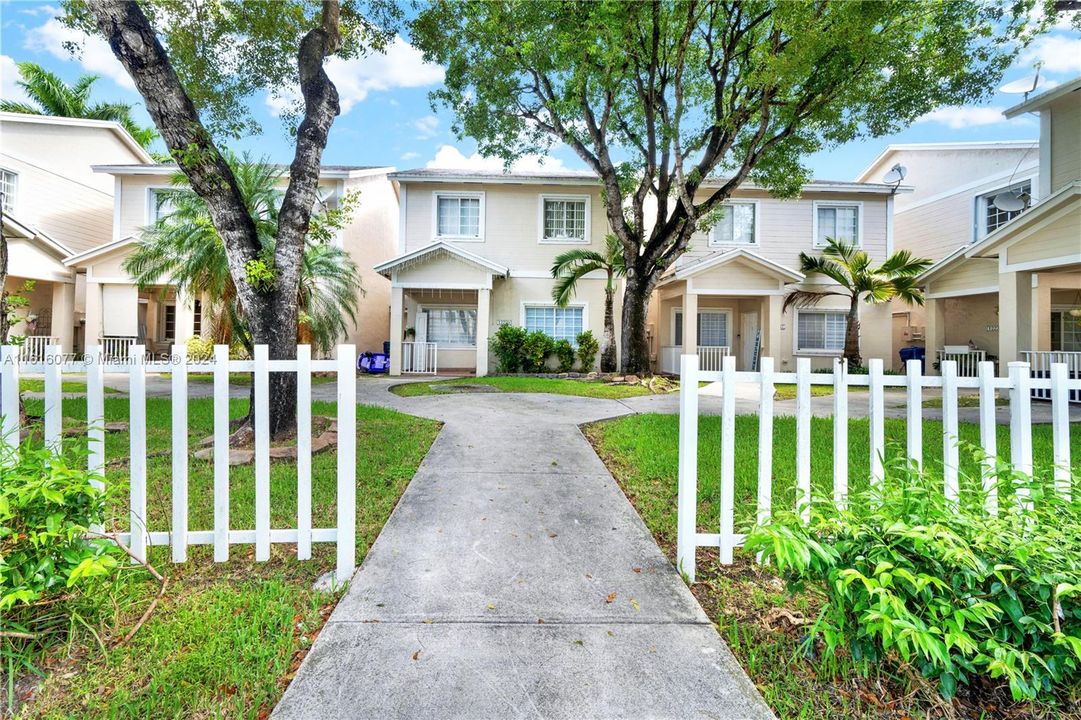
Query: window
{"x":837,"y":221}
{"x":459,"y":216}
{"x":737,"y":226}
{"x":555,"y":322}
{"x":9,"y":185}
{"x":565,"y":219}
{"x":160,"y":204}
{"x":712,"y":328}
{"x":990,"y":217}
{"x":452,"y":326}
{"x":1065,"y":331}
{"x":169,"y":322}
{"x":821,"y":331}
{"x":197,"y":320}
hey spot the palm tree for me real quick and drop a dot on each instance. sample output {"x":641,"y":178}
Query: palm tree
{"x":184,"y":247}
{"x":850,"y":268}
{"x":50,"y":95}
{"x":571,"y":266}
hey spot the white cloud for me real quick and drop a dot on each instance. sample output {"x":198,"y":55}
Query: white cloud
{"x":426,"y":127}
{"x":957,"y":118}
{"x":50,"y":10}
{"x":1057,"y":53}
{"x":9,"y":74}
{"x":449,"y":157}
{"x":401,"y":66}
{"x":410,"y":155}
{"x":96,"y":56}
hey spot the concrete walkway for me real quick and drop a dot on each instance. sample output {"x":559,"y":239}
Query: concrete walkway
{"x":515,"y":580}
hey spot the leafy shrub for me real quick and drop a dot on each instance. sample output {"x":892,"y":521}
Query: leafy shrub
{"x":564,"y":353}
{"x":507,"y":346}
{"x":535,"y":351}
{"x":588,"y":347}
{"x":199,"y":349}
{"x":943,"y":586}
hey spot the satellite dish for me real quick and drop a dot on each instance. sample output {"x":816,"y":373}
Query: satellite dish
{"x":1023,"y":86}
{"x":895,"y":175}
{"x":1009,"y":201}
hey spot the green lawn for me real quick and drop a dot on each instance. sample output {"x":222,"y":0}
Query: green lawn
{"x":642,"y":453}
{"x":519,"y":384}
{"x":239,"y":378}
{"x":37,"y":385}
{"x":226,"y":637}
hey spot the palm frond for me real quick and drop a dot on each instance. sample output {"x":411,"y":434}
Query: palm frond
{"x":19,"y":107}
{"x":816,"y":264}
{"x":903,"y":264}
{"x":907,"y":290}
{"x":807,"y":298}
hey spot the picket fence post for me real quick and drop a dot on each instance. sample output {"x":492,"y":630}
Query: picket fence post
{"x":179,"y":536}
{"x":137,"y":450}
{"x":304,"y":452}
{"x":1021,"y":425}
{"x":950,"y":453}
{"x":687,"y":494}
{"x":221,"y":453}
{"x":876,"y":420}
{"x":988,"y":436}
{"x":803,"y":438}
{"x":347,"y":464}
{"x":840,"y":433}
{"x":728,"y":457}
{"x":1060,"y":428}
{"x":9,"y":397}
{"x":765,"y":441}
{"x":54,"y":410}
{"x":261,"y":380}
{"x":914,"y":416}
{"x":95,"y":413}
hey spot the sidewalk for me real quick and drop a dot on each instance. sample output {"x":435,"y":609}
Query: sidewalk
{"x":514,"y":580}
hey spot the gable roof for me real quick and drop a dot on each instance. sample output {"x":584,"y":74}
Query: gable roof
{"x":36,"y":235}
{"x":989,"y":246}
{"x":892,"y":150}
{"x":115,"y":128}
{"x":439,"y":249}
{"x":726,"y":256}
{"x":1038,"y":102}
{"x":325,"y":171}
{"x":98,"y":251}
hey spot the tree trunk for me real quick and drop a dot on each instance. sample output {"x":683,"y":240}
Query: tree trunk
{"x":4,"y":326}
{"x":608,"y":354}
{"x":635,"y":343}
{"x":852,"y":335}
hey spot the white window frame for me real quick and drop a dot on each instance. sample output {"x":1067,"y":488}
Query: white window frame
{"x":979,"y":204}
{"x":587,"y":199}
{"x":816,"y":351}
{"x":1064,"y":317}
{"x":548,"y":304}
{"x":858,"y":204}
{"x":436,"y":195}
{"x":715,"y":242}
{"x":703,"y":311}
{"x":148,"y":211}
{"x":163,"y":313}
{"x":9,"y":206}
{"x":451,"y":306}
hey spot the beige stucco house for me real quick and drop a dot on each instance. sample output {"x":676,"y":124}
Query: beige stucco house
{"x":54,"y":206}
{"x":1020,"y":283}
{"x":476,"y":251}
{"x":120,"y":314}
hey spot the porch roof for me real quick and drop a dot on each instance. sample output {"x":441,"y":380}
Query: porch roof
{"x":81,"y":258}
{"x":438,"y":250}
{"x":724,"y":257}
{"x":34,"y":235}
{"x":1029,"y":222}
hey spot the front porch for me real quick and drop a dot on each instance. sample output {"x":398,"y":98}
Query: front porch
{"x":36,"y":271}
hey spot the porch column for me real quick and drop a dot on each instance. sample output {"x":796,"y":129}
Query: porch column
{"x":934,"y":332}
{"x":1041,"y":314}
{"x":690,"y":324}
{"x":185,"y":319}
{"x":771,"y":327}
{"x":484,"y":303}
{"x":63,"y":309}
{"x":396,"y":303}
{"x":1014,"y":316}
{"x":92,"y":330}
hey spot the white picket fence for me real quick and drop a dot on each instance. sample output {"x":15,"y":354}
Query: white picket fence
{"x":1018,"y":383}
{"x":178,"y":537}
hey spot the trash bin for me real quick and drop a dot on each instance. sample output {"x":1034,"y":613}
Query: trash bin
{"x":914,"y":352}
{"x":386,"y":348}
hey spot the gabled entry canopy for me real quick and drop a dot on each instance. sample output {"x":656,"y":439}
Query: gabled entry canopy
{"x":441,"y":264}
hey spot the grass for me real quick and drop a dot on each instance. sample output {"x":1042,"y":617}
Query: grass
{"x":787,"y":391}
{"x":226,"y":637}
{"x":518,"y":384}
{"x":243,"y":378}
{"x":743,"y":599}
{"x":37,"y":385}
{"x":964,"y":401}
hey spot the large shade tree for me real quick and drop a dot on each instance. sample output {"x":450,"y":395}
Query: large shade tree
{"x":657,"y":97}
{"x":196,"y":67}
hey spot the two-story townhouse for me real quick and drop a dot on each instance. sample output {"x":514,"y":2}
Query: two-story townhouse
{"x":475,"y":252}
{"x":725,"y":294}
{"x":1023,"y":278}
{"x":952,"y":206}
{"x":54,"y":205}
{"x":120,"y":314}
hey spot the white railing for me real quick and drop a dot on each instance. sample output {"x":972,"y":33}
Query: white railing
{"x":711,"y":357}
{"x":968,"y":361}
{"x":116,"y":347}
{"x":33,"y":348}
{"x":177,"y":535}
{"x":1041,"y":362}
{"x":420,"y":357}
{"x":1018,"y":383}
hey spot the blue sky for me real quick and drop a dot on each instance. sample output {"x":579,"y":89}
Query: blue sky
{"x":387,"y":119}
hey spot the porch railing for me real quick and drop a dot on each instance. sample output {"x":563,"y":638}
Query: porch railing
{"x":710,"y":358}
{"x":1040,"y":362}
{"x":968,"y":361}
{"x":116,"y":347}
{"x":33,"y":347}
{"x":420,"y":357}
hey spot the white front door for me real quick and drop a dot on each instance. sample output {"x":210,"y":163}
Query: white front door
{"x":748,"y":334}
{"x":420,"y":348}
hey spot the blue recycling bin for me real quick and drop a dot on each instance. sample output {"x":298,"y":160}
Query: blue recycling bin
{"x":914,"y":352}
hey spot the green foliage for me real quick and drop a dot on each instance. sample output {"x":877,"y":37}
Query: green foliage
{"x":261,"y":274}
{"x":199,"y":348}
{"x":588,"y":347}
{"x":564,"y":353}
{"x":507,"y":344}
{"x":943,"y":586}
{"x":12,"y":304}
{"x":535,"y":351}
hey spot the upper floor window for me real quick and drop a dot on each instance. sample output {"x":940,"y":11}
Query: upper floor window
{"x":160,"y":204}
{"x":9,"y":185}
{"x":821,"y":330}
{"x":459,"y":216}
{"x":840,"y":221}
{"x":565,"y":218}
{"x":555,"y":322}
{"x":990,"y":217}
{"x":738,"y":225}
